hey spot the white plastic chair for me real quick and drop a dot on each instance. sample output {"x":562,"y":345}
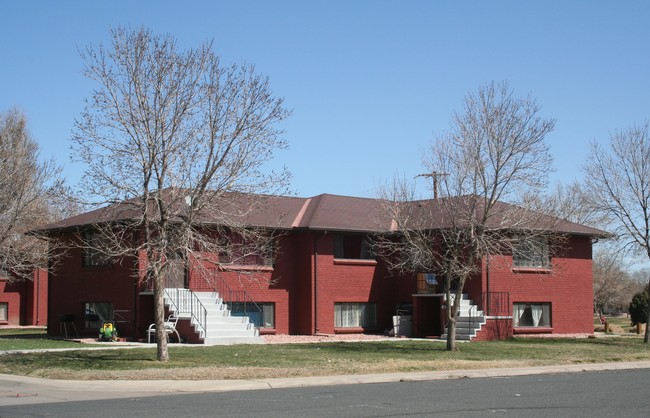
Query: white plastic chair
{"x":170,"y":327}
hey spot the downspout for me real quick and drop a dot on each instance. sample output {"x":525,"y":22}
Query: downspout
{"x":38,"y":297}
{"x":487,"y":284}
{"x":316,"y":330}
{"x":137,"y":286}
{"x":49,"y":316}
{"x":136,"y":300}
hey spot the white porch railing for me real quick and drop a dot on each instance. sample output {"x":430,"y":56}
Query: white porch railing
{"x":185,"y":302}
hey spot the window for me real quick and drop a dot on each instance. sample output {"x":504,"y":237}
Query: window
{"x":352,"y":247}
{"x":93,"y":256}
{"x":349,"y":315}
{"x":532,"y":315}
{"x":264,"y":317}
{"x":96,"y":313}
{"x":236,"y":250}
{"x":531,"y":253}
{"x":266,"y":255}
{"x":4,"y":311}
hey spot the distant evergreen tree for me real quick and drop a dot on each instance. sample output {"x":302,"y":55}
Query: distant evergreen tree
{"x":639,"y":307}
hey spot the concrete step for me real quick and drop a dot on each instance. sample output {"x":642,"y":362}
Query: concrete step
{"x":465,"y":331}
{"x":214,"y":333}
{"x":233,"y":340}
{"x":466,"y":320}
{"x":459,"y":337}
{"x":467,"y":326}
{"x":222,"y":327}
{"x":225,"y":326}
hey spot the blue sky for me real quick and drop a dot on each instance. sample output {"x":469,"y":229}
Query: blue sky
{"x":371,"y":83}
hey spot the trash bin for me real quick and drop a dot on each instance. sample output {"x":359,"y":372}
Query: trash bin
{"x":402,"y":325}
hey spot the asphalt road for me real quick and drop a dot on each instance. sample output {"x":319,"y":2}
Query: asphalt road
{"x":621,"y":393}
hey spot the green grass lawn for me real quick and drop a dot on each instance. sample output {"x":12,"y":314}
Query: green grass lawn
{"x":30,"y":339}
{"x":331,"y":358}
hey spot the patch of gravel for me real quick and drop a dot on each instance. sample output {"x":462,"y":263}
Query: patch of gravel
{"x":323,"y":338}
{"x":287,"y":339}
{"x":554,"y":335}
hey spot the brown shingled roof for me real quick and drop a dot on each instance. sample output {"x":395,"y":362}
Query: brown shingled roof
{"x":432,"y":214}
{"x":344,"y":213}
{"x":322,"y":212}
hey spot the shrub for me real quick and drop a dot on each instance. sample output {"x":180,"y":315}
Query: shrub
{"x":639,"y":307}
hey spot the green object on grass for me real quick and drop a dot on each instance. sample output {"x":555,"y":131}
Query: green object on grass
{"x":108,"y":332}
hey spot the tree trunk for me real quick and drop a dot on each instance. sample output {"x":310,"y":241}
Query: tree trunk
{"x":646,"y":335}
{"x":452,"y":310}
{"x":162,"y":354}
{"x":451,"y":331}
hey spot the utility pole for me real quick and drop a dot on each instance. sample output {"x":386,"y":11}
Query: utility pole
{"x":434,"y":176}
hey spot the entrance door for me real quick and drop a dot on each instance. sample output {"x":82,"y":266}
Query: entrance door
{"x":427,"y":316}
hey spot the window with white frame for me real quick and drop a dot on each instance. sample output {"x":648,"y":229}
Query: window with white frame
{"x":532,"y":252}
{"x":355,"y":315}
{"x":532,"y":314}
{"x":4,"y":311}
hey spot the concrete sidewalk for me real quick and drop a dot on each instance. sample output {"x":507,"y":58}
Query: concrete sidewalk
{"x":19,"y":390}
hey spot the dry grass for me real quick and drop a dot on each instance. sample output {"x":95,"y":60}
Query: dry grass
{"x":247,"y":373}
{"x":307,"y":356}
{"x":319,"y":359}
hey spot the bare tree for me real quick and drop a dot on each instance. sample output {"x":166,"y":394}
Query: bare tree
{"x":27,"y":189}
{"x":494,"y":152}
{"x":181,"y":142}
{"x":617,"y":185}
{"x":568,"y":202}
{"x":613,"y":285}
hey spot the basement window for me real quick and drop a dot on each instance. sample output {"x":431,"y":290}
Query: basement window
{"x":532,"y":315}
{"x":96,"y":313}
{"x":4,"y":311}
{"x":355,"y":315}
{"x":264,"y":317}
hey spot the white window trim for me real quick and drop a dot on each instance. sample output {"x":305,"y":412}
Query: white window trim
{"x":531,"y":253}
{"x":540,"y":313}
{"x":355,"y":315}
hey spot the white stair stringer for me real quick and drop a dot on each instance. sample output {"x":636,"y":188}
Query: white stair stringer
{"x":469,"y":320}
{"x":221,"y":328}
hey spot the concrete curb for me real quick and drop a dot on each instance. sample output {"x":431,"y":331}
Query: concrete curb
{"x":17,"y":390}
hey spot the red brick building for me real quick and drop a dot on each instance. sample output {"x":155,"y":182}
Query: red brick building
{"x":24,"y":302}
{"x":323,"y":279}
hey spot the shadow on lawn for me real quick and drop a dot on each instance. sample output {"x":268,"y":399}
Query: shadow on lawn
{"x":380,"y":347}
{"x":28,"y":336}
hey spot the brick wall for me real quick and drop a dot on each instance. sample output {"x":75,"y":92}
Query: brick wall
{"x":12,"y":294}
{"x":357,"y":281}
{"x":304,"y":297}
{"x":71,"y":285}
{"x":568,"y":287}
{"x":26,"y":299}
